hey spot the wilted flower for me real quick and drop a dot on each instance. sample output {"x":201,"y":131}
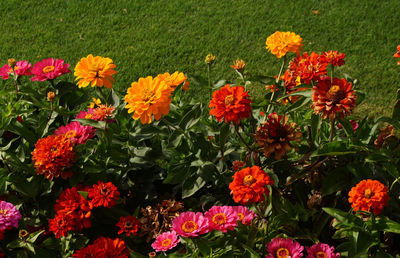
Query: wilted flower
{"x":210,"y":59}
{"x":322,"y":251}
{"x":165,"y":241}
{"x":284,"y":248}
{"x":97,"y":71}
{"x":385,"y":134}
{"x":280,"y":43}
{"x":49,"y":69}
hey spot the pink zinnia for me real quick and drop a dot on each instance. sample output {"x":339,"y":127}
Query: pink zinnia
{"x":165,"y":241}
{"x":280,"y":247}
{"x":76,"y":132}
{"x":5,"y":71}
{"x":48,"y":69}
{"x":190,"y":224}
{"x":322,"y":251}
{"x":84,"y":114}
{"x":23,"y":68}
{"x":222,"y":218}
{"x":9,"y":215}
{"x":244,"y":215}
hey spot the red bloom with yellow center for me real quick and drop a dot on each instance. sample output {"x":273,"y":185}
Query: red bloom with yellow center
{"x":52,"y":154}
{"x":333,"y":97}
{"x":103,"y":194}
{"x":231,"y":104}
{"x":369,"y":195}
{"x":275,"y":135}
{"x":335,"y":58}
{"x":249,"y":185}
{"x":308,"y":68}
{"x":128,"y":225}
{"x":397,"y":53}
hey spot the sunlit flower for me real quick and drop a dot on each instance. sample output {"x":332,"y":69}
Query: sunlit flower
{"x":244,"y":215}
{"x":307,"y":68}
{"x":9,"y":215}
{"x":76,"y":132}
{"x":165,"y":241}
{"x":101,"y":113}
{"x":275,"y":135}
{"x":231,"y":104}
{"x":49,"y":69}
{"x":335,"y":58}
{"x":322,"y":251}
{"x":238,"y":65}
{"x":21,"y":68}
{"x":173,"y":80}
{"x":103,"y":194}
{"x":210,"y":58}
{"x":148,"y":97}
{"x":97,"y":71}
{"x":332,"y":99}
{"x":249,"y":185}
{"x":52,"y":154}
{"x":128,"y":225}
{"x":397,"y":54}
{"x":280,"y":43}
{"x":284,"y":248}
{"x":222,"y":218}
{"x":190,"y":224}
{"x":369,"y":195}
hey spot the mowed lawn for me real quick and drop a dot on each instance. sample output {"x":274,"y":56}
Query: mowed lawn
{"x":146,"y":37}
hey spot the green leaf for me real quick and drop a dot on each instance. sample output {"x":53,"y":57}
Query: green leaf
{"x":387,"y":225}
{"x":94,"y":123}
{"x":344,"y":217}
{"x":83,"y":194}
{"x":253,"y":254}
{"x":334,"y":149}
{"x":24,"y":131}
{"x":113,"y":98}
{"x":191,"y":185}
{"x":177,"y":174}
{"x":191,"y":118}
{"x":33,"y":236}
{"x":335,"y":181}
{"x":315,"y":126}
{"x":304,"y":93}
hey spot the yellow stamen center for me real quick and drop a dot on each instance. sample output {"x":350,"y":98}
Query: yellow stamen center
{"x":335,"y":93}
{"x":70,"y":134}
{"x":229,"y":100}
{"x":240,"y":216}
{"x":88,"y":116}
{"x":3,"y":212}
{"x":219,"y":218}
{"x":282,"y":253}
{"x":166,"y":242}
{"x":320,"y":254}
{"x":189,"y":226}
{"x":368,"y":193}
{"x":48,"y":69}
{"x":248,"y":180}
{"x":147,"y":95}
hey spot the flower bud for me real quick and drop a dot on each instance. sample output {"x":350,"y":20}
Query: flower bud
{"x":51,"y":96}
{"x":12,"y":62}
{"x":210,"y":59}
{"x":22,"y":234}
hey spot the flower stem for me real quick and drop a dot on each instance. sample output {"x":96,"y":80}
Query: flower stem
{"x":209,"y":78}
{"x":241,"y":139}
{"x":276,"y":82}
{"x":332,"y":130}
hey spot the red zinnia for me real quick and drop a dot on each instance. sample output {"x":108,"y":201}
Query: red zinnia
{"x":398,"y":53}
{"x":334,"y":57}
{"x":230,"y":104}
{"x":103,"y":194}
{"x":308,"y":67}
{"x":104,"y":247}
{"x":61,"y":224}
{"x":128,"y":225}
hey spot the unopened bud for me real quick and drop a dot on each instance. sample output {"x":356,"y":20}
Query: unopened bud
{"x":12,"y":62}
{"x":210,"y":59}
{"x":51,"y":96}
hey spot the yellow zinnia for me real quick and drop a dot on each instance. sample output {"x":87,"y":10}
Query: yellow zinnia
{"x":280,"y":43}
{"x":174,"y":80}
{"x":148,"y":97}
{"x":95,"y":70}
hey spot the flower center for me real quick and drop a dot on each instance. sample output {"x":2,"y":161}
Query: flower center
{"x":189,"y":226}
{"x":48,"y":69}
{"x":166,"y":242}
{"x":282,"y":253}
{"x":147,"y":95}
{"x":320,"y":254}
{"x":335,"y":93}
{"x":229,"y":100}
{"x":219,"y":218}
{"x":368,"y":193}
{"x":248,"y":180}
{"x":128,"y":224}
{"x":89,"y":116}
{"x":3,"y":212}
{"x":94,"y":68}
{"x":240,"y":216}
{"x":104,"y":191}
{"x":70,"y":134}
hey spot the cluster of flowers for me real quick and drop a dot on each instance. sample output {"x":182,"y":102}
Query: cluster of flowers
{"x":73,"y":211}
{"x":192,"y":224}
{"x":9,"y":217}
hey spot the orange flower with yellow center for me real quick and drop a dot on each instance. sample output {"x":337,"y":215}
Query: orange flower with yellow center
{"x":97,"y":71}
{"x":189,"y":226}
{"x":174,"y":80}
{"x":369,"y":195}
{"x":333,"y":97}
{"x":148,"y":97}
{"x":280,"y":43}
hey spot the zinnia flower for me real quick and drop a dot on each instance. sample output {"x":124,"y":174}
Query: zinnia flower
{"x":244,"y":215}
{"x":369,"y":195}
{"x":397,"y":54}
{"x":280,"y":43}
{"x":103,"y":194}
{"x":61,"y":224}
{"x":95,"y":70}
{"x":173,"y":80}
{"x":21,"y":68}
{"x":230,"y":104}
{"x":221,"y":218}
{"x":210,"y":58}
{"x":76,"y":132}
{"x":128,"y":225}
{"x":237,"y":165}
{"x":334,"y":57}
{"x":52,"y":154}
{"x":148,"y":97}
{"x":275,"y":135}
{"x":165,"y":241}
{"x":9,"y":216}
{"x":104,"y":247}
{"x":307,"y":68}
{"x":49,"y":69}
{"x":190,"y":224}
{"x":322,"y":251}
{"x":331,"y":99}
{"x":238,"y":65}
{"x":249,"y":185}
{"x":284,"y":248}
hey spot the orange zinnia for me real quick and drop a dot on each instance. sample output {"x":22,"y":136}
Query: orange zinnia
{"x":238,"y":65}
{"x":275,"y":135}
{"x":369,"y":195}
{"x":280,"y":43}
{"x":331,"y":99}
{"x":398,"y":53}
{"x":335,"y":58}
{"x":307,"y":68}
{"x":148,"y":97}
{"x":174,"y":80}
{"x":52,"y":154}
{"x":95,"y":70}
{"x":249,"y":185}
{"x":231,"y":104}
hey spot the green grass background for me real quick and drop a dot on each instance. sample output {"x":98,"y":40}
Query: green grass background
{"x":150,"y":37}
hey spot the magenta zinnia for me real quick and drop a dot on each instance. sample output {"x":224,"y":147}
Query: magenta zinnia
{"x":49,"y":69}
{"x":280,"y":247}
{"x":166,"y":241}
{"x":9,"y":216}
{"x":76,"y":132}
{"x":190,"y":224}
{"x":322,"y":251}
{"x":222,"y":218}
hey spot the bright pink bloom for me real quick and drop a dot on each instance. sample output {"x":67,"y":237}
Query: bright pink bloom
{"x":23,"y":68}
{"x":321,"y":250}
{"x":244,"y":215}
{"x":9,"y":215}
{"x":76,"y":132}
{"x":84,"y":114}
{"x":48,"y":69}
{"x":5,"y":71}
{"x":190,"y":224}
{"x":280,"y":247}
{"x":165,"y":241}
{"x":221,"y":218}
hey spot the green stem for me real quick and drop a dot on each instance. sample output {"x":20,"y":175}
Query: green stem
{"x":276,"y":82}
{"x":332,"y":130}
{"x":241,"y":139}
{"x":100,"y":91}
{"x":209,"y":79}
